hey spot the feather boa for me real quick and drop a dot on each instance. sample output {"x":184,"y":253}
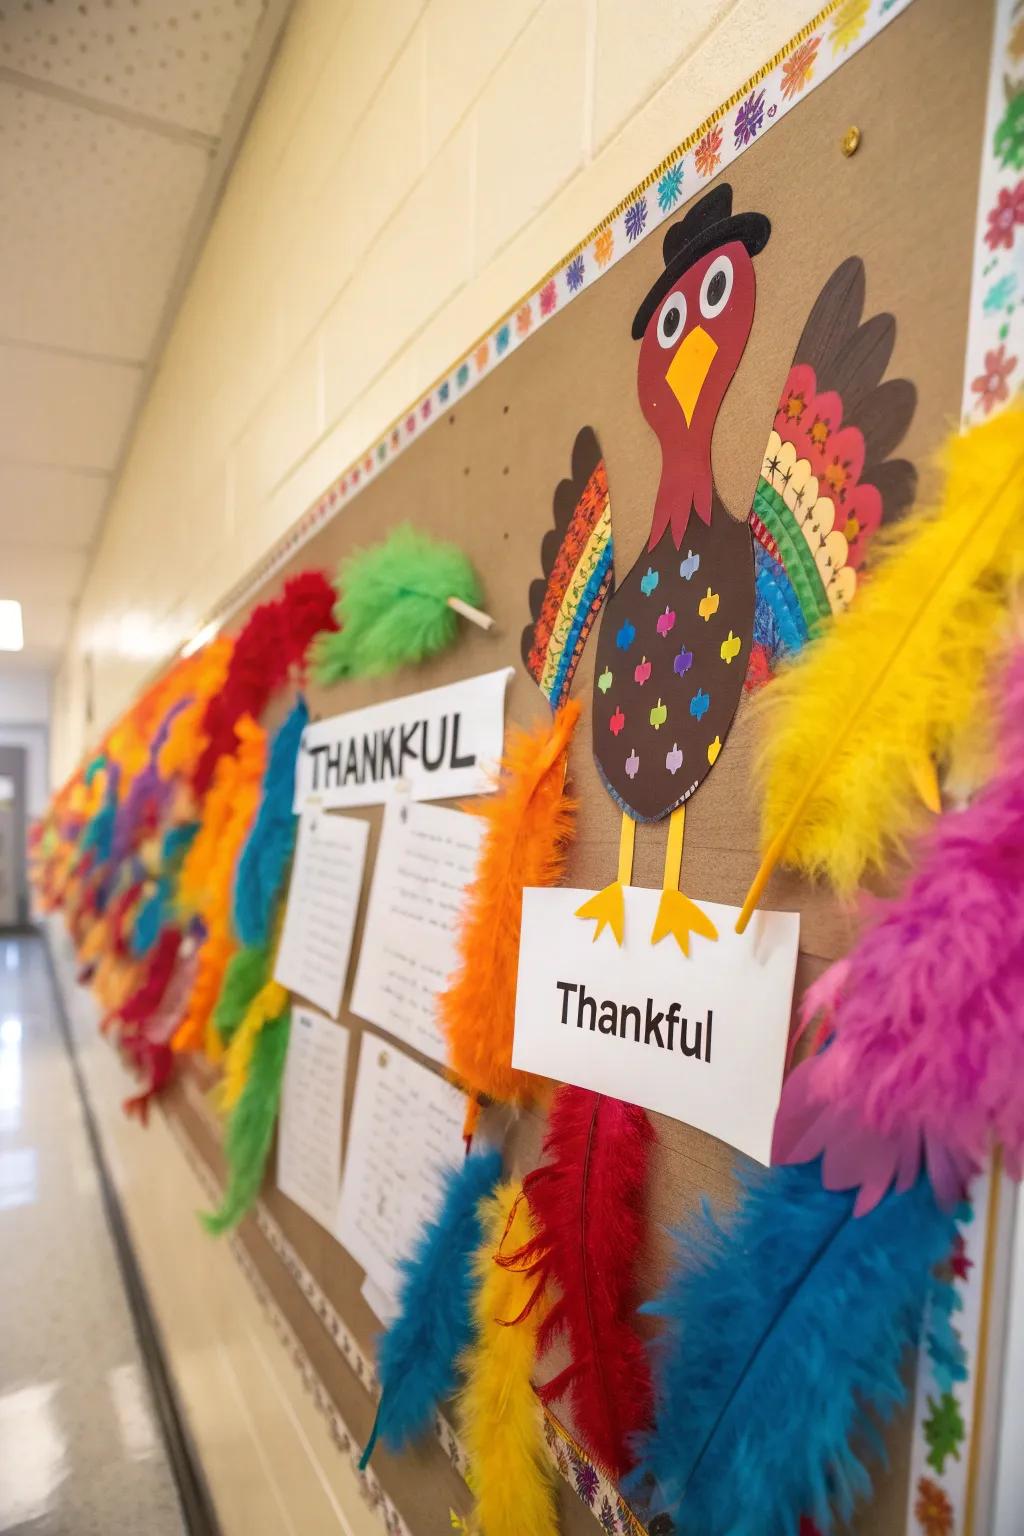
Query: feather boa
{"x":275,"y":638}
{"x":925,"y":1052}
{"x":246,"y":972}
{"x":417,"y":1355}
{"x":268,"y":848}
{"x":251,"y":1126}
{"x":528,"y":823}
{"x":498,"y":1411}
{"x":392,"y":609}
{"x":894,"y":681}
{"x":268,"y":1004}
{"x":783,"y":1342}
{"x":587,"y":1201}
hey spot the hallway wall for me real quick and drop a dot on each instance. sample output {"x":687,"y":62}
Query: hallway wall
{"x":412,"y":168}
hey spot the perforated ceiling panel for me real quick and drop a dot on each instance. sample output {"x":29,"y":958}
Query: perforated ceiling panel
{"x":95,"y":213}
{"x":118,"y":119}
{"x":175,"y":61}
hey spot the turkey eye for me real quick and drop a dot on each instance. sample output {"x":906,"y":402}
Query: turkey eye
{"x":716,"y":288}
{"x":671,"y":321}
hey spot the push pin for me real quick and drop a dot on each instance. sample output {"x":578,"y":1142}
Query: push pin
{"x":850,"y":142}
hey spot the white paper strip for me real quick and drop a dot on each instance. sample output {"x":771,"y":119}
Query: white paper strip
{"x":702,"y":1039}
{"x":309,"y":1130}
{"x":442,"y":743}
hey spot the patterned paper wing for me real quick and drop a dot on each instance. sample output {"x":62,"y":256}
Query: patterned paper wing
{"x":576,"y":559}
{"x":827,"y":478}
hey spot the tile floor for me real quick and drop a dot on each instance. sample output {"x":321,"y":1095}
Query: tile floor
{"x":80,"y":1447}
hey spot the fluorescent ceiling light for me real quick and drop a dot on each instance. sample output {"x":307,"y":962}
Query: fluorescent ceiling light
{"x":201,"y":638}
{"x":12,"y":636}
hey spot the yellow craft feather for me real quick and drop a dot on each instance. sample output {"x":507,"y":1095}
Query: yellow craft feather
{"x":899,"y":677}
{"x":499,"y":1414}
{"x":269,"y":1003}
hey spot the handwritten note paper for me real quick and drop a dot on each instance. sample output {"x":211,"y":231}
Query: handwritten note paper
{"x":309,"y":1132}
{"x":406,"y":1130}
{"x":316,"y":942}
{"x":427,"y":857}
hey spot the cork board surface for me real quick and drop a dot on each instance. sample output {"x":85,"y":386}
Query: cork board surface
{"x":905,"y":204}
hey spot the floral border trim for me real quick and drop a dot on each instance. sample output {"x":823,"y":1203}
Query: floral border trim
{"x":569,"y":1458}
{"x":946,"y":1436}
{"x":839,"y":30}
{"x":995,"y":337}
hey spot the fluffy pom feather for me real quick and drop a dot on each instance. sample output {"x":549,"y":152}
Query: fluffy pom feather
{"x":246,"y":972}
{"x":588,"y":1208}
{"x":274,"y":639}
{"x":498,"y":1411}
{"x":925,"y":1055}
{"x":392,"y":610}
{"x":892,"y":682}
{"x":269,"y":846}
{"x":528,"y":824}
{"x":268,"y":1004}
{"x":417,"y":1355}
{"x":783,"y":1341}
{"x":251,"y":1125}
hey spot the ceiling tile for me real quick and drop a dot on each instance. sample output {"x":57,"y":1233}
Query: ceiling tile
{"x":61,"y":410}
{"x":170,"y":59}
{"x":41,"y":575}
{"x":41,"y":505}
{"x":95,"y":216}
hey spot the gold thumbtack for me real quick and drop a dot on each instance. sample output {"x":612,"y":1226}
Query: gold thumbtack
{"x":850,"y":142}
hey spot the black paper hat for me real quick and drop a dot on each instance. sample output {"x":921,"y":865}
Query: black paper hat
{"x":709,"y":224}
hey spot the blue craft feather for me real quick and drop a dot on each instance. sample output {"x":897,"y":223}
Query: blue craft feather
{"x":416,"y":1356}
{"x":785,"y":1333}
{"x":177,"y":841}
{"x":151,"y":918}
{"x":264,"y":858}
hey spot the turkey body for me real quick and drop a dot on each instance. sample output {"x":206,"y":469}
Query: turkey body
{"x":671,"y":659}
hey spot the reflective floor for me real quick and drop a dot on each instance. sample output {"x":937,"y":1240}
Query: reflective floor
{"x":80,"y":1447}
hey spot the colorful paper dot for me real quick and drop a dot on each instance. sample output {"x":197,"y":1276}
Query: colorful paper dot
{"x":616,"y":723}
{"x":642,"y":671}
{"x":714,"y":747}
{"x":683,"y":662}
{"x":604,"y":682}
{"x":666,"y":622}
{"x":708,"y":605}
{"x":690,"y":566}
{"x":659,"y":714}
{"x":633,"y":764}
{"x":674,"y":759}
{"x":730,"y":648}
{"x":700,"y":704}
{"x":626,"y":635}
{"x":649,"y":581}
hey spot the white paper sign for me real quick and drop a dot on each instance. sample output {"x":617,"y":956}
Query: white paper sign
{"x":406,"y":1130}
{"x":442,"y":743}
{"x":327,"y":876}
{"x":309,"y":1130}
{"x":426,"y":858}
{"x":701,"y":1038}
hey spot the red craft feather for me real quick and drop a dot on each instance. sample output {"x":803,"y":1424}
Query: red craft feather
{"x":588,"y":1207}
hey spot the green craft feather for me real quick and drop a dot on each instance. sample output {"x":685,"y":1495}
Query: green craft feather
{"x":251,"y":1125}
{"x":392,"y":607}
{"x":247,"y":970}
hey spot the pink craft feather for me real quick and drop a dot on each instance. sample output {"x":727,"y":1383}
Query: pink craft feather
{"x":925,"y":1053}
{"x":587,"y":1201}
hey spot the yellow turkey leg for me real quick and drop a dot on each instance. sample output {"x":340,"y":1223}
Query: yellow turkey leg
{"x":608,"y":907}
{"x":677,"y":914}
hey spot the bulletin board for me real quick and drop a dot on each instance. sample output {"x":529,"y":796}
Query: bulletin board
{"x":484,"y":476}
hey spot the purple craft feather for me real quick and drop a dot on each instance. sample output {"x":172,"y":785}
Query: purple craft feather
{"x":147,"y":788}
{"x":925,"y":1052}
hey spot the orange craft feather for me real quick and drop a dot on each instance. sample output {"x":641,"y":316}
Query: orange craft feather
{"x":528,"y":824}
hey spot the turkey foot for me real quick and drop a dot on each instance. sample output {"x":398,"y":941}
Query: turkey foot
{"x":677,"y":914}
{"x":608,"y":907}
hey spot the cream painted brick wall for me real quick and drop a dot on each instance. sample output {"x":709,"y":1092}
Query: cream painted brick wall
{"x":412,"y":168}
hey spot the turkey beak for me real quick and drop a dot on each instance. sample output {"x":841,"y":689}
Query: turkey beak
{"x":689,"y":368}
